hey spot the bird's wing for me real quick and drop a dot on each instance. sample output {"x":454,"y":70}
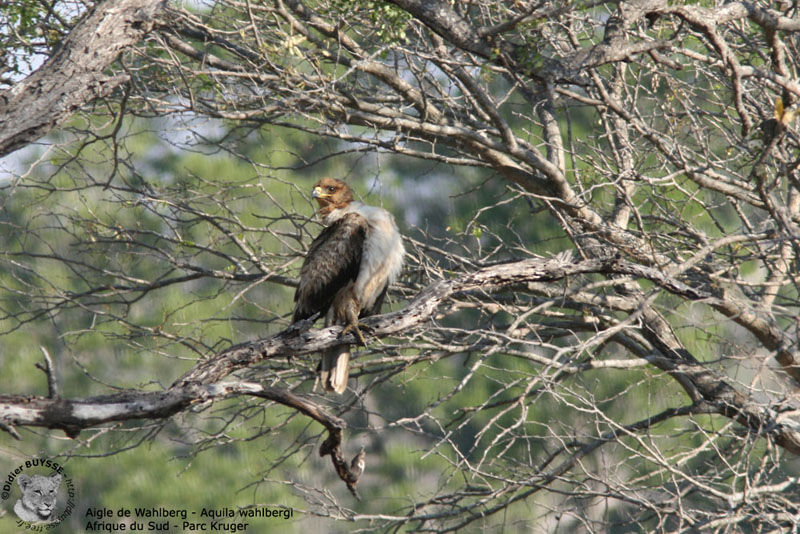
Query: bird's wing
{"x":333,"y":260}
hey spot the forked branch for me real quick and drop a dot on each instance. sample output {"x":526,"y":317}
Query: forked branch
{"x":204,"y":382}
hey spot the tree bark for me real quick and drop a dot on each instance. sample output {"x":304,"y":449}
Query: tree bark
{"x":74,"y":74}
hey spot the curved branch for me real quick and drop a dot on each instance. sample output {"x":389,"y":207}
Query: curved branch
{"x":203,"y":383}
{"x":74,"y":415}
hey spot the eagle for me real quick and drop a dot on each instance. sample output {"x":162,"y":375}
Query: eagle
{"x":347,"y":270}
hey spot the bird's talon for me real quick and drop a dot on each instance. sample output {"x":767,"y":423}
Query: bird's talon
{"x":366,"y":328}
{"x":356,"y":328}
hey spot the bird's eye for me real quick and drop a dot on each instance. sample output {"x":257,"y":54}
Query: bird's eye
{"x":331,"y":188}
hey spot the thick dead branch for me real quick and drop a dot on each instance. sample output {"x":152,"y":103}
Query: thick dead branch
{"x":202,"y":383}
{"x":74,"y":415}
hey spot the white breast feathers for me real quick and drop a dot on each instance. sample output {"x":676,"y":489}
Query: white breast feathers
{"x":382,"y":258}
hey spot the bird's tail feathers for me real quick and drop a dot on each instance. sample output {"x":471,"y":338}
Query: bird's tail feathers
{"x":335,"y":368}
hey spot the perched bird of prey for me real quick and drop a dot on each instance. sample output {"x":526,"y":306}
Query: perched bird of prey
{"x":347,"y":270}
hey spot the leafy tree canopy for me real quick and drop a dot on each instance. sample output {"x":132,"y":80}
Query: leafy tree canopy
{"x":596,"y":328}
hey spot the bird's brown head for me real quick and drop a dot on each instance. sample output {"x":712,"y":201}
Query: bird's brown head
{"x":331,"y":194}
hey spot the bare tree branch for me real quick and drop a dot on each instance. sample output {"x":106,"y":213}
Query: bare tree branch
{"x":202,"y":383}
{"x":649,"y":385}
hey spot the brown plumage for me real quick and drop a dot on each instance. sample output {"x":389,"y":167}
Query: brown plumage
{"x":347,"y":270}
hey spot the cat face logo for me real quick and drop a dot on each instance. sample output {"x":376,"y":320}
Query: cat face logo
{"x":38,"y":502}
{"x":45,"y":498}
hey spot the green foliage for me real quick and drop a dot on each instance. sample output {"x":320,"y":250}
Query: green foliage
{"x":131,"y":250}
{"x":389,"y":22}
{"x":30,"y":30}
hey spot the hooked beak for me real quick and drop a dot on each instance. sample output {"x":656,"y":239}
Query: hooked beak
{"x":318,"y":193}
